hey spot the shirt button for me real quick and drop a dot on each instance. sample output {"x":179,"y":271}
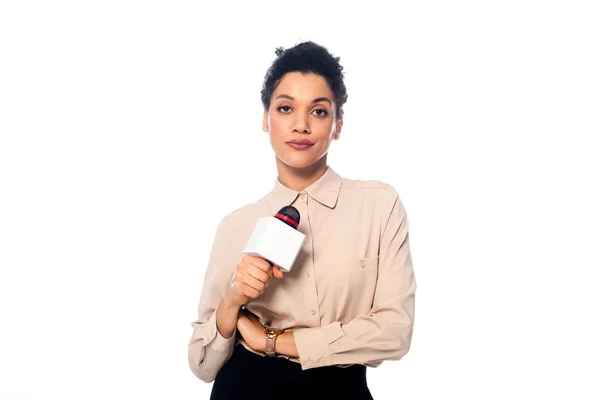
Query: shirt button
{"x":361,"y":264}
{"x":322,"y":361}
{"x":313,"y":311}
{"x":307,"y":274}
{"x":309,"y":363}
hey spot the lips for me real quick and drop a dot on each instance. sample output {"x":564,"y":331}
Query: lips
{"x":303,"y":142}
{"x":299,"y":145}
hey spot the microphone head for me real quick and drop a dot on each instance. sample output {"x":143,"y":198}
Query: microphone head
{"x":289,"y":215}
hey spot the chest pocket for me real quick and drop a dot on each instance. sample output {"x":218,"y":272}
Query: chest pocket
{"x":364,"y":283}
{"x":368,"y":264}
{"x":350,"y":285}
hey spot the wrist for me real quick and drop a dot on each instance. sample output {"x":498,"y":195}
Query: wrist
{"x":270,"y":336}
{"x":230,"y":302}
{"x":227,"y":315}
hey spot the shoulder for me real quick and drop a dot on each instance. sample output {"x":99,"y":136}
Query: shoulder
{"x":242,"y":218}
{"x":382,"y":192}
{"x":382,"y":197}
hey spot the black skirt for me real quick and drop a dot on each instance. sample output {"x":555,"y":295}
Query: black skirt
{"x":250,"y":376}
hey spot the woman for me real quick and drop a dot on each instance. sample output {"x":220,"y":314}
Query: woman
{"x":348,"y":301}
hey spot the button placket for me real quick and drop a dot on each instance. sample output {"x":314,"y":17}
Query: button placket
{"x":312,"y":301}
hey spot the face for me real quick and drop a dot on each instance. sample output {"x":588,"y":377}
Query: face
{"x":302,"y":108}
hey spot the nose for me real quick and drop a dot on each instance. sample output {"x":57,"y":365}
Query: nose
{"x":301,"y":124}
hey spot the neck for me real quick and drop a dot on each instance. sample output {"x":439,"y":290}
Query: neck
{"x":299,"y":179}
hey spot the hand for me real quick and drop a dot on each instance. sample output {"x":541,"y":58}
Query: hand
{"x":251,"y":330}
{"x":253,"y":275}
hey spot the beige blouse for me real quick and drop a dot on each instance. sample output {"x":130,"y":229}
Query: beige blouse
{"x":350,"y":296}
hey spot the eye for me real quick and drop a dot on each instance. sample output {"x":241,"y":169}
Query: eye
{"x":282,"y":107}
{"x":324,"y":113}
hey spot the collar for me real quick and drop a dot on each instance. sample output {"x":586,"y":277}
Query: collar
{"x":325,"y":190}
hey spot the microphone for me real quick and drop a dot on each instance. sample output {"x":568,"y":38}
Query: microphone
{"x":290,"y":216}
{"x":277,"y":239}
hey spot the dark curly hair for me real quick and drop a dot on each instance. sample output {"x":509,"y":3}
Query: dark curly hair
{"x":306,"y":57}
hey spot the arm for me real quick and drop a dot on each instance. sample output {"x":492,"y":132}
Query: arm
{"x":286,"y":344}
{"x":213,"y":337}
{"x":386,"y":332}
{"x":252,"y":332}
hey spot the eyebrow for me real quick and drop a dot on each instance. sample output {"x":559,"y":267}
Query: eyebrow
{"x":318,"y":99}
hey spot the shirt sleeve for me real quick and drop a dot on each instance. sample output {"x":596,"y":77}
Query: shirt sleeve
{"x":208,"y":350}
{"x":386,"y":332}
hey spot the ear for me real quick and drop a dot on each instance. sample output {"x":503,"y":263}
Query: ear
{"x":265,"y":122}
{"x":338,"y":129}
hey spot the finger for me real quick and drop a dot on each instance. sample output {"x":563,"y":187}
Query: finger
{"x":258,"y":274}
{"x":270,"y":272}
{"x":277,"y":273}
{"x":251,"y":281}
{"x":260,"y":263}
{"x":251,"y":292}
{"x":243,"y":289}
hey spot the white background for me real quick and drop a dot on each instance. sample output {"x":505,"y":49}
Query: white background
{"x":130,"y":128}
